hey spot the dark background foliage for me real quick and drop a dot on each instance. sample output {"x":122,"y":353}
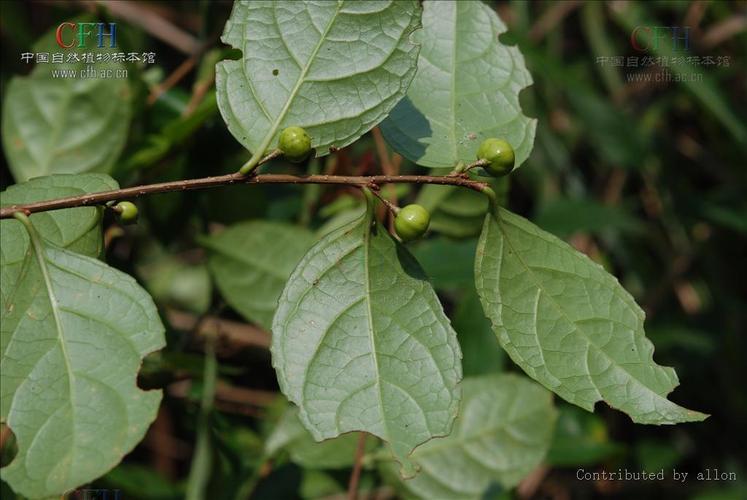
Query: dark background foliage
{"x":647,"y":177}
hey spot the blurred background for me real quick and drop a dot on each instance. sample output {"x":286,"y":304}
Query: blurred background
{"x":640,"y":161}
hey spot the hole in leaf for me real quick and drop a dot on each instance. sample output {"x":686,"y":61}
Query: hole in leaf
{"x":275,"y":72}
{"x":153,"y":373}
{"x":234,"y":54}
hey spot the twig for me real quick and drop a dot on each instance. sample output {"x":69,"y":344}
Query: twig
{"x":160,"y":439}
{"x":389,"y":205}
{"x":463,"y":169}
{"x":167,"y":445}
{"x":233,"y":332}
{"x":198,"y":94}
{"x":724,"y":30}
{"x":613,"y":188}
{"x":529,"y":485}
{"x":228,"y":394}
{"x":381,"y":151}
{"x":231,"y":179}
{"x":356,"y":474}
{"x":153,"y":24}
{"x":694,"y":14}
{"x":678,"y":267}
{"x":174,"y":78}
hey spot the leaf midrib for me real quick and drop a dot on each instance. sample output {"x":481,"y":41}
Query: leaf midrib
{"x":294,"y":91}
{"x":367,"y":273}
{"x":41,"y":257}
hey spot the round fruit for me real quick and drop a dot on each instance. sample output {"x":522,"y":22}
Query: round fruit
{"x":126,"y":212}
{"x":499,"y":153}
{"x":412,"y":222}
{"x":295,"y":143}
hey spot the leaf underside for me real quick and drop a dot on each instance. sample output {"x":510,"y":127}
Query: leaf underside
{"x":73,"y":335}
{"x":569,"y":324}
{"x":77,"y":229}
{"x":335,"y":68}
{"x":503,"y":431}
{"x":466,"y":89}
{"x":360,"y":342}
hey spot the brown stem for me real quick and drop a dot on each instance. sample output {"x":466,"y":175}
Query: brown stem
{"x":229,"y":179}
{"x":233,"y":333}
{"x":394,"y":209}
{"x":356,"y":474}
{"x":474,"y":164}
{"x":160,"y":28}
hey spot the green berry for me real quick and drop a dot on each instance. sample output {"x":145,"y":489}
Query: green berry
{"x":126,"y":212}
{"x":412,"y":222}
{"x":499,"y":153}
{"x":295,"y":143}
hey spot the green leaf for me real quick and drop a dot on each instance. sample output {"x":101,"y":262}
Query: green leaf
{"x":334,"y":68}
{"x":466,"y":89}
{"x":361,"y":343}
{"x":73,"y":335}
{"x":503,"y":432}
{"x":53,"y":125}
{"x":76,"y":229}
{"x":340,"y":219}
{"x":251,"y":262}
{"x":290,"y":434}
{"x":569,"y":324}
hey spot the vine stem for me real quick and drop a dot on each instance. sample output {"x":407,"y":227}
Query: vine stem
{"x":372,"y":181}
